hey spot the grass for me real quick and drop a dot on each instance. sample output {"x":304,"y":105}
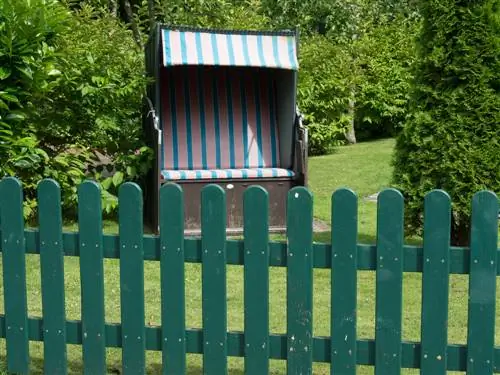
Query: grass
{"x":365,"y":168}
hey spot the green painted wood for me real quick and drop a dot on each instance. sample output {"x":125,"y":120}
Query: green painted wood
{"x":299,"y":282}
{"x":14,"y":275}
{"x":344,"y":282}
{"x":389,"y":281}
{"x":92,"y":278}
{"x":457,"y":354}
{"x":172,"y":279}
{"x":482,"y":284}
{"x":213,"y":232}
{"x":132,"y":278}
{"x":52,"y":272}
{"x":256,"y":276}
{"x":435,"y":283}
{"x":367,"y":257}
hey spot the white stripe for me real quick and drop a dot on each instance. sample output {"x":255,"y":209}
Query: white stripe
{"x":191,"y":53}
{"x":239,"y":57}
{"x":223,"y":49}
{"x":283,"y":52}
{"x":206,"y":47}
{"x":175,"y":51}
{"x":267,"y":45}
{"x":253,"y":50}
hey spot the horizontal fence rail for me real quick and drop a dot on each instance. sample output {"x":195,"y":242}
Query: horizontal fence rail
{"x":389,"y":258}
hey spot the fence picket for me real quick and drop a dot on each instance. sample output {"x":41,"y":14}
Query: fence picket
{"x":299,"y":282}
{"x":482,"y":284}
{"x":132,"y":279}
{"x":14,"y":275}
{"x":52,"y":272}
{"x":213,"y":242}
{"x":92,"y":278}
{"x":172,"y":279}
{"x":256,"y":274}
{"x":344,"y":282}
{"x":389,"y":283}
{"x":435,"y":283}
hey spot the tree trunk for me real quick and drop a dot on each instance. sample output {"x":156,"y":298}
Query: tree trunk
{"x":351,"y":134}
{"x":460,"y":234}
{"x":113,"y":7}
{"x":133,"y":24}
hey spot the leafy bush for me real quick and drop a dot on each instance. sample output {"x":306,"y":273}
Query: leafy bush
{"x":324,"y":87}
{"x":386,"y":54}
{"x":29,"y":32}
{"x":71,"y":85}
{"x":451,"y":140}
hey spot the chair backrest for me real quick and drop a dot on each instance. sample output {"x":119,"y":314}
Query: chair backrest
{"x":219,"y":118}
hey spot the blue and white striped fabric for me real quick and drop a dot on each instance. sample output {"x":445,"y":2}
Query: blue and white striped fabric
{"x":207,"y":174}
{"x":223,"y":49}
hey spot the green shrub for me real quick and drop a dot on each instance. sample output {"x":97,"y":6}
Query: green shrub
{"x":386,"y":54}
{"x":324,"y":82}
{"x":451,"y":140}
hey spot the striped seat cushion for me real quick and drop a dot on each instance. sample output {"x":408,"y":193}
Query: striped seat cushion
{"x":225,"y":173}
{"x":220,"y":119}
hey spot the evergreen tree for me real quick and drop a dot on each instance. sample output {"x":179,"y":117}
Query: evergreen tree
{"x":451,"y":140}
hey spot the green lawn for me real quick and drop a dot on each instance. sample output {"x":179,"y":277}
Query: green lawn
{"x":365,"y":168}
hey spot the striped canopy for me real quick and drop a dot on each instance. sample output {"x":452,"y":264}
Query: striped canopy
{"x":216,"y":48}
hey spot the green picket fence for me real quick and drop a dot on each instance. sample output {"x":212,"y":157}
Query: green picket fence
{"x":389,"y":258}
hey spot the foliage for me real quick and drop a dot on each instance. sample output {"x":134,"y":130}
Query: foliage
{"x":72,"y":84}
{"x":324,"y":83}
{"x":385,"y":57}
{"x":451,"y":139}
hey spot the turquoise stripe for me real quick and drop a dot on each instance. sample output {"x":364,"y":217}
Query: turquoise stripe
{"x":175,"y":139}
{"x":260,"y":47}
{"x":184,"y":49}
{"x":273,"y":126}
{"x":198,"y":175}
{"x":259,"y":172}
{"x":189,"y":142}
{"x":259,"y":123}
{"x":229,"y":174}
{"x":230,"y":49}
{"x":244,"y":123}
{"x":245,"y":50}
{"x":199,"y":50}
{"x":291,"y":53}
{"x":244,"y":173}
{"x":168,"y":54}
{"x":214,"y":174}
{"x":276,"y":51}
{"x":203,"y":131}
{"x":215,"y":52}
{"x":230,"y":115}
{"x":216,"y":124}
{"x":183,"y":175}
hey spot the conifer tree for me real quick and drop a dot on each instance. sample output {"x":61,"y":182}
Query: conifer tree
{"x":451,"y":140}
